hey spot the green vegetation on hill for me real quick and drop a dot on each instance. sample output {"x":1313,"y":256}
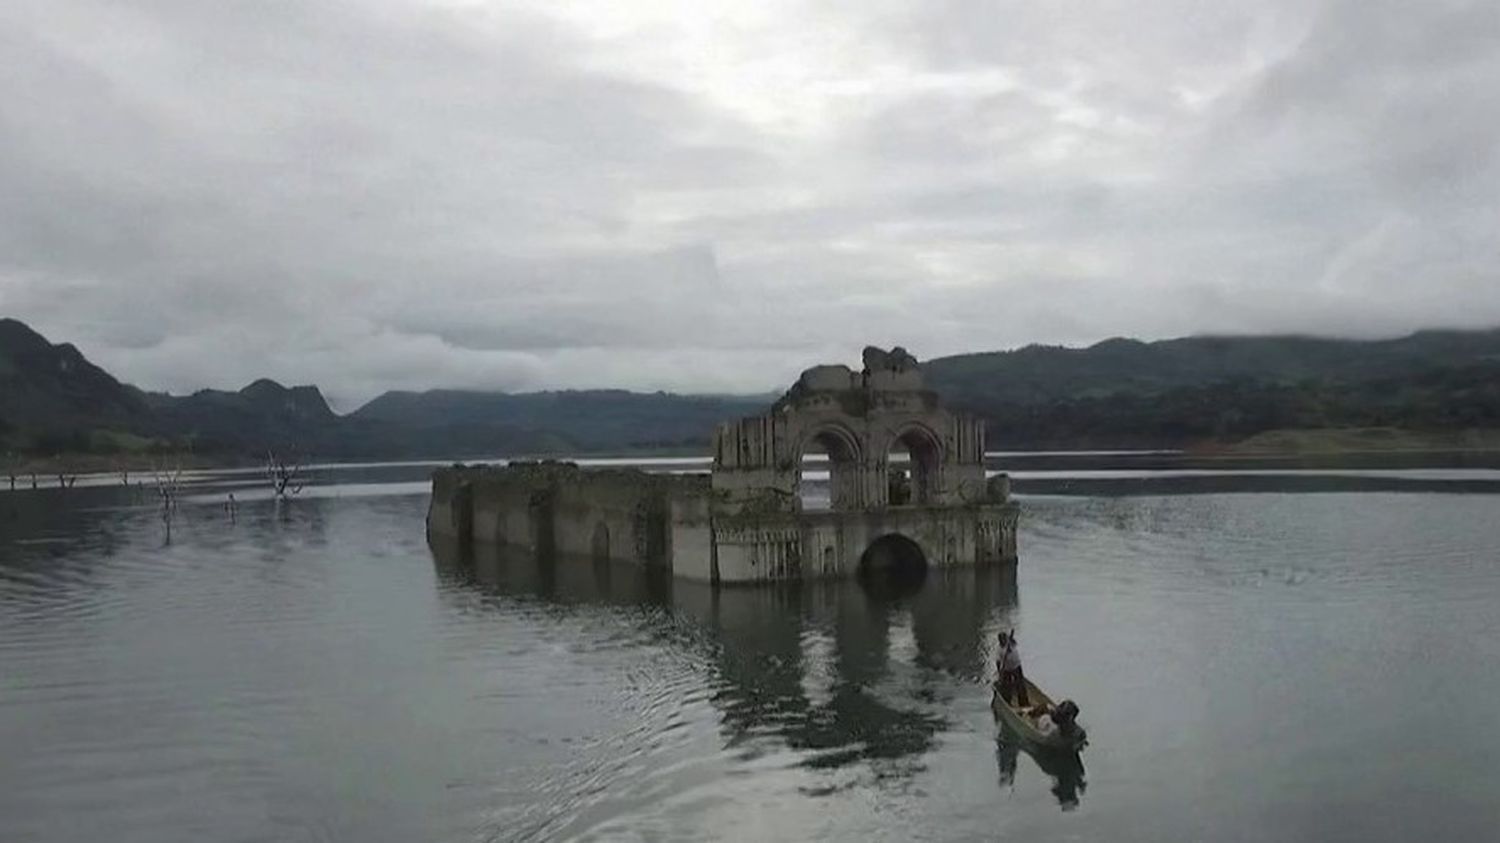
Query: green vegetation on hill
{"x":1123,"y":393}
{"x":54,"y":402}
{"x":1041,"y":374}
{"x":53,"y":399}
{"x":585,"y":420}
{"x":1364,"y":439}
{"x":1433,"y":387}
{"x":1444,"y":399}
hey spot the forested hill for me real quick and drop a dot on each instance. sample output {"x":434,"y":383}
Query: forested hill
{"x":48,"y":392}
{"x":583,"y":419}
{"x":54,"y":401}
{"x":1040,"y":374}
{"x":1118,"y":393}
{"x":1124,"y":393}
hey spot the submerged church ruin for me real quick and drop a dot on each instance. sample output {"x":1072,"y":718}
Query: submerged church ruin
{"x":906,"y":487}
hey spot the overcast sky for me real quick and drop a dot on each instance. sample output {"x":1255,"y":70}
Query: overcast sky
{"x":381,"y":194}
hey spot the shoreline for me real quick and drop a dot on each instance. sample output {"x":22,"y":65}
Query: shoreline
{"x":1356,"y":441}
{"x":1331,"y":443}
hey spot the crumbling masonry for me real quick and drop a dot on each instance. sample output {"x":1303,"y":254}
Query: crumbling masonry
{"x":746,"y":521}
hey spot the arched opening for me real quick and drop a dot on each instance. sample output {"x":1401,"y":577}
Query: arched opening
{"x":912,"y":467}
{"x":827,"y":476}
{"x":599,"y":543}
{"x":893,"y":562}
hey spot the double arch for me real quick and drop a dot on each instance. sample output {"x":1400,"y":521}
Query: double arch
{"x":859,"y":475}
{"x":925,"y":451}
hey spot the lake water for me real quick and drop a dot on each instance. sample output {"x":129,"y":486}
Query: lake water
{"x":1257,"y":657}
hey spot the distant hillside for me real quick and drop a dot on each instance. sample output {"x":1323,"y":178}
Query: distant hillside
{"x":1125,"y":393}
{"x":1118,"y":393}
{"x":1443,"y":399}
{"x":54,"y":401}
{"x":1040,"y":374}
{"x":584,"y":420}
{"x":263,"y":415}
{"x":53,"y":398}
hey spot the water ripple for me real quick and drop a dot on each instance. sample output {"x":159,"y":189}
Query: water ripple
{"x":310,"y":671}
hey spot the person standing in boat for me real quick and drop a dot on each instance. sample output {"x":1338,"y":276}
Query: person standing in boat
{"x":1012,"y":681}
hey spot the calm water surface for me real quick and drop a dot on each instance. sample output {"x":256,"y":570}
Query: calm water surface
{"x":1275,"y":665}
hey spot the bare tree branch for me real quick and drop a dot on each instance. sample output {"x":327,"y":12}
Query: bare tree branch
{"x":285,"y":474}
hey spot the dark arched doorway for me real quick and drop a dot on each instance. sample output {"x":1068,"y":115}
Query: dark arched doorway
{"x":893,"y":562}
{"x":836,"y":451}
{"x":912,"y":461}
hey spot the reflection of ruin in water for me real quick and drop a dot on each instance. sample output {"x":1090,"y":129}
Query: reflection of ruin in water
{"x":1064,"y":768}
{"x":842,"y":674}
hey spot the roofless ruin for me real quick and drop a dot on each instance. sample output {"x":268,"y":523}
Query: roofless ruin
{"x":906,"y":487}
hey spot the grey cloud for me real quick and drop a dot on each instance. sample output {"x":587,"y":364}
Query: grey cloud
{"x":377,"y":194}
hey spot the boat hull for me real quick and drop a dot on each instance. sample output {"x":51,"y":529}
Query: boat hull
{"x":1022,"y":726}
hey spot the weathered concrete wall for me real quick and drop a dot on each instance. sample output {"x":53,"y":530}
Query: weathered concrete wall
{"x":621,"y":514}
{"x":450,"y":512}
{"x":615,"y":514}
{"x":692,"y":538}
{"x":503,"y":512}
{"x":675,"y":522}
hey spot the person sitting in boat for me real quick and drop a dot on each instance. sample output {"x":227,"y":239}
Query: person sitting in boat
{"x":1061,"y":719}
{"x":1065,"y":712}
{"x":1012,"y":682}
{"x":1065,"y":716}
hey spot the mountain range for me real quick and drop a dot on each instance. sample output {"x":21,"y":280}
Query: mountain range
{"x":54,"y":401}
{"x":1116,"y":393}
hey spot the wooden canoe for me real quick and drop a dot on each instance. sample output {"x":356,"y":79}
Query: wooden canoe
{"x":1022,"y":724}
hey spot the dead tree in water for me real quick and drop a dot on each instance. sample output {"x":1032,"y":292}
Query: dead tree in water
{"x":168,"y":484}
{"x":285,"y":474}
{"x":67,"y":470}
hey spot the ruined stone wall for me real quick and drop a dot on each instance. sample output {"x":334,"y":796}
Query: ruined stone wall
{"x":858,"y":419}
{"x":675,"y":522}
{"x":692,"y":536}
{"x":745,"y":523}
{"x":619,"y":514}
{"x":812,"y":545}
{"x":759,"y":460}
{"x":504,"y":510}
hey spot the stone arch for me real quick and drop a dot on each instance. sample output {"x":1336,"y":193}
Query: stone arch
{"x":894,"y":559}
{"x":846,"y":453}
{"x":925,"y":449}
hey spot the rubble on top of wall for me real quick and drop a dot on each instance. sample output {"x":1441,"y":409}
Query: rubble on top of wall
{"x":884,"y":371}
{"x":897,"y":359}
